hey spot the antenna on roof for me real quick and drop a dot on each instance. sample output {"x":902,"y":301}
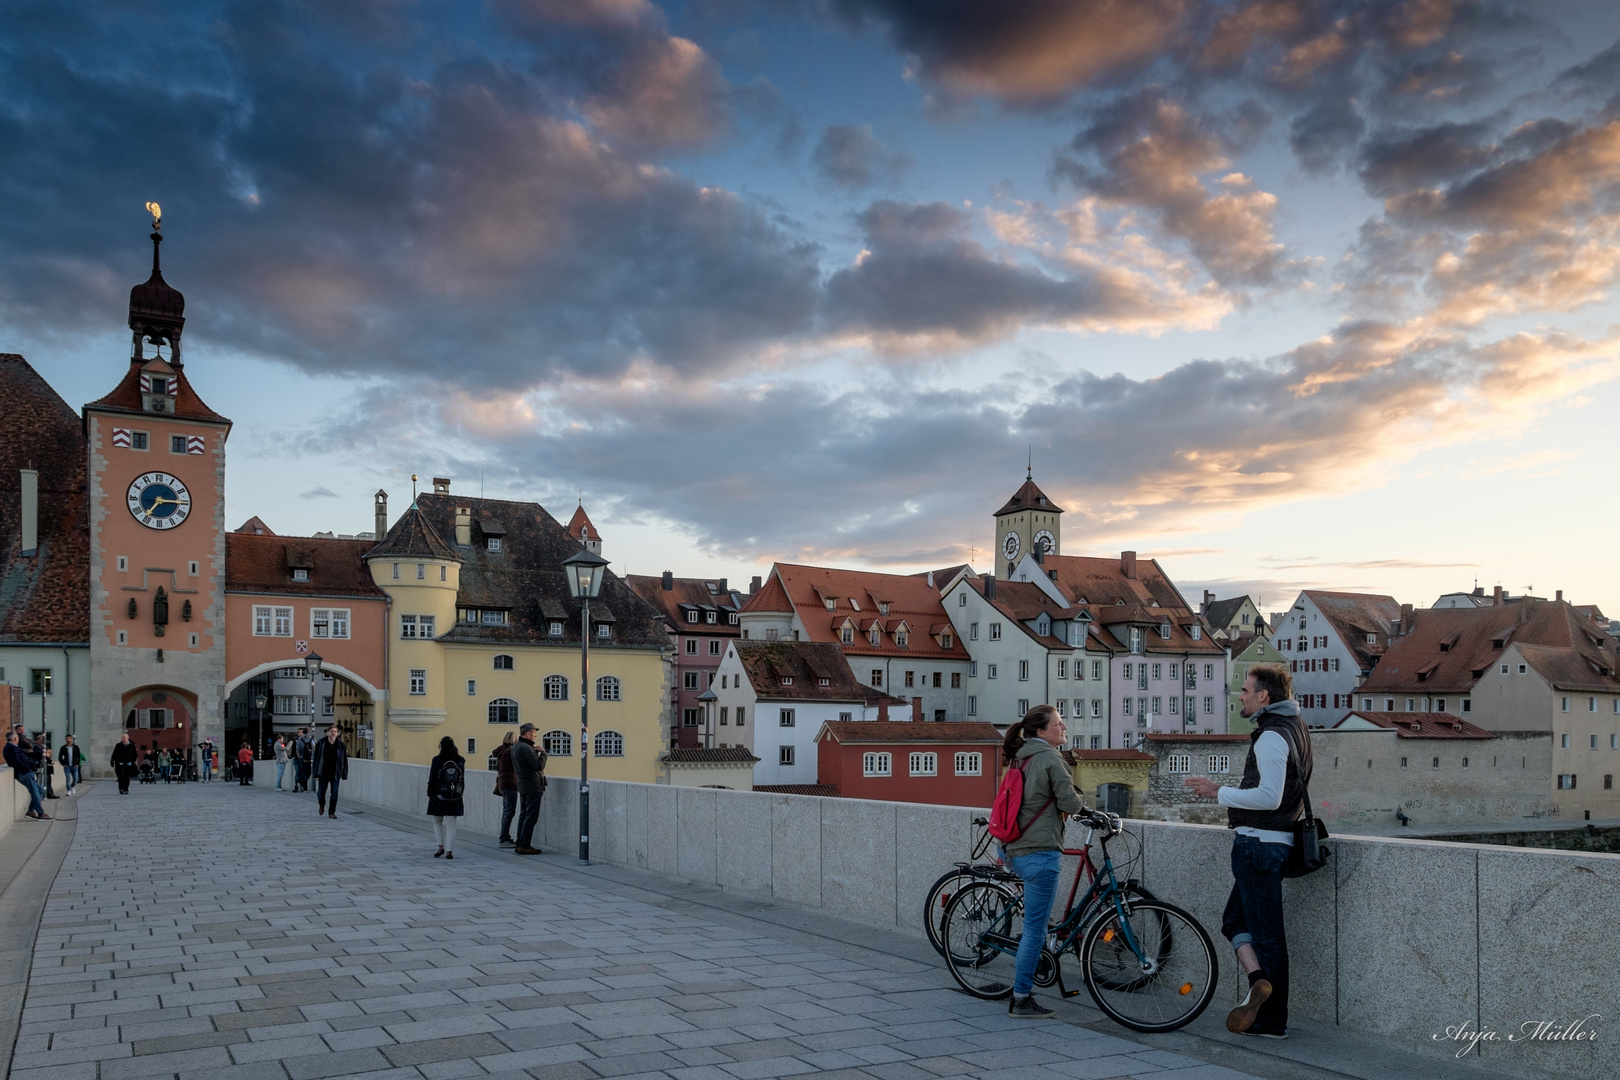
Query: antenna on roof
{"x":1029,"y":466}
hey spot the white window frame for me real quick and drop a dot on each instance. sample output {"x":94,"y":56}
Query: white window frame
{"x":505,"y":707}
{"x":968,"y":764}
{"x":1178,"y":764}
{"x":785,"y":756}
{"x":874,"y":763}
{"x":787,"y":718}
{"x":329,"y":623}
{"x":608,"y":743}
{"x":418,"y":681}
{"x":609,"y":688}
{"x":922,"y":763}
{"x":261,"y":620}
{"x":555,"y":688}
{"x":1220,"y":764}
{"x":557,"y":743}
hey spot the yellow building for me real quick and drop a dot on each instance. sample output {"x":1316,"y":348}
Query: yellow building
{"x":483,"y":637}
{"x":1114,"y":780}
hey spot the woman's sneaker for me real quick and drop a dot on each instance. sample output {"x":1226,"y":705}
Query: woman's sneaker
{"x":1027,"y":1008}
{"x":1241,"y":1018}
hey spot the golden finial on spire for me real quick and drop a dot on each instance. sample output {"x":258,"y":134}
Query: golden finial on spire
{"x":157,"y":214}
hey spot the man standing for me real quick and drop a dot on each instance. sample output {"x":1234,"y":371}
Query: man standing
{"x":22,"y":770}
{"x":1263,"y":809}
{"x":281,"y":760}
{"x":330,"y":763}
{"x":123,"y":762}
{"x":72,"y":761}
{"x":306,"y":757}
{"x":205,"y":759}
{"x":529,"y":765}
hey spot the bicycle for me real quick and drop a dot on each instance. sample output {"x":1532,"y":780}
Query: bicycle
{"x":1147,"y":964}
{"x":966,"y":873}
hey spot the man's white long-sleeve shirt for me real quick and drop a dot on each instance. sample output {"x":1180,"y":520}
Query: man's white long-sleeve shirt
{"x":1271,"y":754}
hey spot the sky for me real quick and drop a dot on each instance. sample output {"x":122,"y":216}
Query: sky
{"x":1285,"y":293}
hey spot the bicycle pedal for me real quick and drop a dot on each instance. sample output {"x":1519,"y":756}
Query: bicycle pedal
{"x":1071,"y":993}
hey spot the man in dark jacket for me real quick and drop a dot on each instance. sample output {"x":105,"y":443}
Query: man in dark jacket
{"x":72,"y":759}
{"x":305,"y":757}
{"x":124,"y":756}
{"x":506,"y":788}
{"x":22,"y":770}
{"x":529,"y":769}
{"x":329,"y":762}
{"x":1263,"y":808}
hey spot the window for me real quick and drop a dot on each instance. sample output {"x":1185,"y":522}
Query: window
{"x":261,"y":621}
{"x":995,"y":631}
{"x":557,"y":744}
{"x":901,"y":637}
{"x":493,"y":617}
{"x":472,"y":687}
{"x":1179,"y":763}
{"x":1614,"y":742}
{"x":1594,"y":742}
{"x":1126,"y":706}
{"x":740,"y":711}
{"x":1175,"y":706}
{"x":421,"y":571}
{"x":846,"y":635}
{"x":787,"y":680}
{"x":193,"y":568}
{"x":1467,"y":704}
{"x":329,"y":622}
{"x":503,"y":710}
{"x":1565,"y":703}
{"x":1563,"y":742}
{"x":177,"y":444}
{"x":418,"y":680}
{"x":877,"y":677}
{"x":875,"y":764}
{"x":1521,"y":669}
{"x":689,"y":718}
{"x":1023,"y":706}
{"x":691,"y":646}
{"x":1209,"y":706}
{"x":990,"y":671}
{"x":137,"y":440}
{"x":604,"y":630}
{"x":846,"y":717}
{"x":973,"y":705}
{"x":784,"y":755}
{"x":909,"y":679}
{"x":1403,"y":763}
{"x":1157,"y":668}
{"x":923,"y":765}
{"x":725,"y":715}
{"x":607,"y":688}
{"x":1157,"y":706}
{"x":1436,"y":763}
{"x":396,"y":571}
{"x":608,"y":744}
{"x":691,"y":616}
{"x":1608,"y":781}
{"x":407,"y":627}
{"x":973,"y":631}
{"x":714,"y":647}
{"x":556,"y":688}
{"x":1439,"y":704}
{"x":1591,"y":704}
{"x":961,"y":599}
{"x":1096,"y":707}
{"x":492,"y":544}
{"x":1220,"y":763}
{"x":1023,"y":671}
{"x":556,"y":629}
{"x":1173,"y":675}
{"x":1062,"y":706}
{"x":785,"y":719}
{"x":973,"y":672}
{"x":1566,"y":781}
{"x":301,"y":574}
{"x":689,"y":680}
{"x":503,"y":662}
{"x":711,"y":617}
{"x":1126,"y":673}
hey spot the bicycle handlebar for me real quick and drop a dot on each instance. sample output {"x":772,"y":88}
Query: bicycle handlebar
{"x":1106,"y":823}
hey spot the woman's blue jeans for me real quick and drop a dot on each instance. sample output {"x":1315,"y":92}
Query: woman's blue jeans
{"x":1039,"y":870}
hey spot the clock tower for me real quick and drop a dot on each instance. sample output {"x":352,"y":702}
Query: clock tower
{"x":1028,"y":522}
{"x":157,"y":541}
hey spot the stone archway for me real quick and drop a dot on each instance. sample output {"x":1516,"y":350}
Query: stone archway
{"x":161,"y":718}
{"x":347,"y":701}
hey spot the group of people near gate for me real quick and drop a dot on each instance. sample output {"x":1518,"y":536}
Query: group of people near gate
{"x":520,"y":782}
{"x":1262,"y":809}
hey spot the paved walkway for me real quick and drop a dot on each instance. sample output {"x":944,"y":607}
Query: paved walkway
{"x":214,"y":932}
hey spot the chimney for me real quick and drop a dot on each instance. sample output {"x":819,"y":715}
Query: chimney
{"x":441,"y":485}
{"x":1406,"y":619}
{"x":883,"y":708}
{"x":669,"y":580}
{"x":30,"y":511}
{"x":1127,"y":563}
{"x":916,"y":710}
{"x":1209,"y":598}
{"x":721,"y":584}
{"x":1496,"y":596}
{"x":989,"y":588}
{"x":1038,"y":555}
{"x":463,"y":520}
{"x":381,"y":511}
{"x":931,"y":584}
{"x":1559,"y":596}
{"x":753,"y":586}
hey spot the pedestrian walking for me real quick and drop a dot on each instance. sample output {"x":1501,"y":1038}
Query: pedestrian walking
{"x":124,"y":756}
{"x":1035,"y":855}
{"x":281,"y":760}
{"x":306,"y":758}
{"x":1262,"y":809}
{"x":529,"y":770}
{"x":506,"y":787}
{"x":244,"y":764}
{"x":23,"y":768}
{"x":329,"y":762}
{"x":447,"y":781}
{"x":72,"y":759}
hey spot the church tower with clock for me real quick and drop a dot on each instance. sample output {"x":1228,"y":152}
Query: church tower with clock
{"x":157,"y":541}
{"x":1028,"y":522}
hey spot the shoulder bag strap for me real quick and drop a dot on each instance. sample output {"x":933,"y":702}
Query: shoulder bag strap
{"x":1304,"y":782}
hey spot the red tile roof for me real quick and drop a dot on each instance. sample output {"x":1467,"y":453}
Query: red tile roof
{"x":1102,"y":581}
{"x":687,"y":594}
{"x":256,"y":525}
{"x":708,"y":755}
{"x":580,"y":527}
{"x":1429,"y":725}
{"x":1573,"y":669}
{"x":1113,"y":755}
{"x":126,"y":396}
{"x":414,"y":537}
{"x":828,"y":791}
{"x":807,"y":663}
{"x":908,"y":598}
{"x":45,"y":596}
{"x":944,"y":731}
{"x":1449,"y":649}
{"x":1029,"y":497}
{"x":264,"y":564}
{"x":1189,"y":736}
{"x":1354,"y":616}
{"x":770,"y":597}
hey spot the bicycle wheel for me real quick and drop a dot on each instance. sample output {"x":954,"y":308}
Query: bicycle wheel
{"x":1163,"y":981}
{"x":983,"y":925}
{"x":937,"y":900}
{"x":1131,"y":976}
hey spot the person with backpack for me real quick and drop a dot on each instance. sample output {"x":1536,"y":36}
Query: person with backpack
{"x":329,"y":763}
{"x":447,"y":781}
{"x":1031,"y":808}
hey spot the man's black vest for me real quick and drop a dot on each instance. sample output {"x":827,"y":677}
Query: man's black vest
{"x":1292,"y":729}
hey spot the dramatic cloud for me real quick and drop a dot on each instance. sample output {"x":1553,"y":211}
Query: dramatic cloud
{"x":850,"y":156}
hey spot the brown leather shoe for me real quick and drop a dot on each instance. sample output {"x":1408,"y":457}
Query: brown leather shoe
{"x":333,"y":815}
{"x":526,"y":851}
{"x":1241,"y":1019}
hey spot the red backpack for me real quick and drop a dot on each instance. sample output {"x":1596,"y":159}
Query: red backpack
{"x":1004,"y":812}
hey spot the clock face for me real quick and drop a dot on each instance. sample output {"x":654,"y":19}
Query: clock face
{"x":1010,"y":546}
{"x":1045,"y":542}
{"x":158,"y":500}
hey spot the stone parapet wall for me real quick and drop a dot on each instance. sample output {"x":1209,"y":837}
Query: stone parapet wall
{"x":1397,"y":938}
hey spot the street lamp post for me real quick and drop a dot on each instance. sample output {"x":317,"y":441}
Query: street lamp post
{"x":258,"y":726}
{"x":585,"y":570}
{"x":312,"y":665}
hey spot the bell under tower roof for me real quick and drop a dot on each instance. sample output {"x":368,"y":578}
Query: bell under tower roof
{"x":157,"y":310}
{"x":1029,"y":497}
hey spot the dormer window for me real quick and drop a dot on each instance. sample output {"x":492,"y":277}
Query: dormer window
{"x":711,"y":617}
{"x":691,"y":616}
{"x":945,"y":641}
{"x":854,"y":604}
{"x":160,"y":384}
{"x":300,"y":575}
{"x":1372,"y":639}
{"x":901,"y":637}
{"x":847,"y":635}
{"x":492,"y":544}
{"x":787,"y":680}
{"x":883,"y":607}
{"x":556,"y":629}
{"x":732,"y":618}
{"x":1164,"y":631}
{"x":1197,"y":632}
{"x":493,"y":617}
{"x":830,"y":601}
{"x":875,"y":636}
{"x":823,"y":682}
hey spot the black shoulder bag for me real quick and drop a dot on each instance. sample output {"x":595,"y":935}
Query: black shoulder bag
{"x":1308,"y":854}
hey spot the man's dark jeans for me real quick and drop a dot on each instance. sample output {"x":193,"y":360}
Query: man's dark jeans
{"x":1254,"y":915}
{"x":509,"y":801}
{"x":327,"y":800}
{"x":528,"y":816}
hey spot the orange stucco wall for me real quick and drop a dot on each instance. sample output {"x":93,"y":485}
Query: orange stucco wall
{"x":361,"y":652}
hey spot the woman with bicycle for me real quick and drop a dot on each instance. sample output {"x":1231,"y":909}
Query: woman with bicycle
{"x":1049,"y":797}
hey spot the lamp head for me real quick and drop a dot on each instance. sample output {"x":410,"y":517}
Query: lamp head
{"x":586,"y":571}
{"x":312,"y":664}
